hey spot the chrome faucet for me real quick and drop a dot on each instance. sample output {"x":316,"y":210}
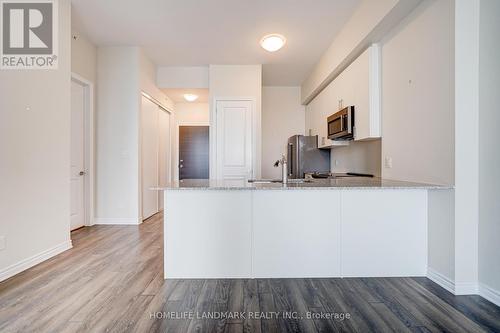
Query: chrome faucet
{"x":284,"y":168}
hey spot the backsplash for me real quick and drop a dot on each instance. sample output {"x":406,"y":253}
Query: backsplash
{"x":359,"y":156}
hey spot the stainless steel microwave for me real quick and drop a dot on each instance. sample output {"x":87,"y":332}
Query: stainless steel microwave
{"x":341,"y":124}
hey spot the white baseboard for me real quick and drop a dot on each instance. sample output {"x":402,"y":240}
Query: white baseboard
{"x":482,"y":290}
{"x":34,"y":260}
{"x":489,"y":293}
{"x":442,"y":280}
{"x":122,"y":220}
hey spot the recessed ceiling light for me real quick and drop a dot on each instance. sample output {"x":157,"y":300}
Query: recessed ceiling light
{"x":190,"y":97}
{"x":272,"y":42}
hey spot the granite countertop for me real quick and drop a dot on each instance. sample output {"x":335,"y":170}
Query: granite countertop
{"x":315,"y":184}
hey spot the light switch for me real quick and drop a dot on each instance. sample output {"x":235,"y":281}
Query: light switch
{"x":388,"y":162}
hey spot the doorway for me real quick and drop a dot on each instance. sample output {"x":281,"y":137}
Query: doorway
{"x":81,"y":140}
{"x":193,"y":152}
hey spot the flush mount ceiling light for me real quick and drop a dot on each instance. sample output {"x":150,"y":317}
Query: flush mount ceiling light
{"x":272,"y":42}
{"x":190,"y":97}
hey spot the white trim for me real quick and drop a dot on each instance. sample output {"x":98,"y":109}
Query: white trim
{"x":34,"y":260}
{"x":213,"y":134}
{"x":177,"y":142}
{"x":157,"y":102}
{"x":375,"y":89}
{"x":118,"y":221}
{"x":442,"y":280}
{"x":489,"y":293}
{"x":450,"y":285}
{"x":89,"y":147}
{"x":481,"y":289}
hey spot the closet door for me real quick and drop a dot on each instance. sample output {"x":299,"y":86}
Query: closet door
{"x":149,"y":157}
{"x":164,"y":157}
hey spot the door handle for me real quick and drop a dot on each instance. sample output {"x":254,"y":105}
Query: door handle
{"x":82,"y":173}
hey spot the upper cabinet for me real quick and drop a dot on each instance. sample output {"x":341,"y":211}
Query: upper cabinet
{"x":366,"y":73}
{"x":358,"y":85}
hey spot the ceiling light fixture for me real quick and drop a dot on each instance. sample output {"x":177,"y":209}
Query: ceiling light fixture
{"x":272,"y":42}
{"x":190,"y":97}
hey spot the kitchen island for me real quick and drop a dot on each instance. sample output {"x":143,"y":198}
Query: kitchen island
{"x":346,"y":227}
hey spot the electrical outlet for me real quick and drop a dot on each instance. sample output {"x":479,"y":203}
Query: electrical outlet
{"x":2,"y":242}
{"x":388,"y":162}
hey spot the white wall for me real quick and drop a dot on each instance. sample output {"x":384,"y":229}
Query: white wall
{"x":489,"y":151}
{"x":237,"y":81}
{"x":148,"y":81}
{"x":441,"y":236}
{"x":117,"y":135}
{"x":83,"y":57}
{"x":369,"y":23}
{"x":123,"y":73}
{"x":186,"y":114}
{"x":190,"y":77}
{"x":35,"y":163}
{"x":282,"y":116}
{"x":418,"y":96}
{"x":361,"y":157}
{"x":192,"y":113}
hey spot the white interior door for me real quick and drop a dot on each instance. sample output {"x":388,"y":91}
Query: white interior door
{"x":149,"y":157}
{"x":164,"y":152}
{"x":234,"y":140}
{"x":77,"y":172}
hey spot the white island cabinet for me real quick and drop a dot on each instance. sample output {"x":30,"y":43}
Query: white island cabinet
{"x":328,"y":228}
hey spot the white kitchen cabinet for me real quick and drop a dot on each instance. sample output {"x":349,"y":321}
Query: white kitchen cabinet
{"x":366,"y":74}
{"x":208,"y":234}
{"x":358,"y":85}
{"x":293,"y":237}
{"x":294,"y":233}
{"x":384,"y":233}
{"x":324,"y":105}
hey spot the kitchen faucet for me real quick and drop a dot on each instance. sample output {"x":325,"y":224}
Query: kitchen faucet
{"x":284,"y":168}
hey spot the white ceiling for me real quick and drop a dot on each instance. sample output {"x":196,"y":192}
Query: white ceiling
{"x":177,"y":94}
{"x":202,"y":32}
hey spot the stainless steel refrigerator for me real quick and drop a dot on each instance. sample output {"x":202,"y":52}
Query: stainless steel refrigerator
{"x":303,"y":156}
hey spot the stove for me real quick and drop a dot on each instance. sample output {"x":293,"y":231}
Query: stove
{"x":332,"y":175}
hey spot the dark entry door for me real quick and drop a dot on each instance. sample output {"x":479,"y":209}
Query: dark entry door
{"x":193,"y":152}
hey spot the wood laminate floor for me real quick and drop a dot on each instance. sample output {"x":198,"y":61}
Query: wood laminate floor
{"x":112,"y":281}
